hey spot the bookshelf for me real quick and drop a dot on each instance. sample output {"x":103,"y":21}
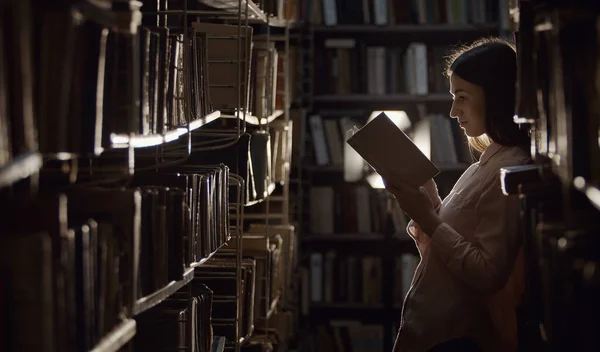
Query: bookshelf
{"x":358,"y":58}
{"x":117,"y":338}
{"x":140,"y":142}
{"x":559,"y":191}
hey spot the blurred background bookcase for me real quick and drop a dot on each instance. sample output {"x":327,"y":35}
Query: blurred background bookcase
{"x":144,"y":173}
{"x":359,"y":58}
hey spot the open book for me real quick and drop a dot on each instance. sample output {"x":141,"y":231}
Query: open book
{"x":391,"y":153}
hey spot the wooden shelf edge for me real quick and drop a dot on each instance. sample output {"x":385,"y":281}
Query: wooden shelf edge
{"x":253,"y":120}
{"x":21,"y":167}
{"x":151,"y":300}
{"x":204,"y":260}
{"x":270,"y":190}
{"x":255,"y":13}
{"x":157,"y":297}
{"x":117,"y":338}
{"x":121,"y":141}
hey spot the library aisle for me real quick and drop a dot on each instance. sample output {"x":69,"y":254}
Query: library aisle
{"x":174,"y":174}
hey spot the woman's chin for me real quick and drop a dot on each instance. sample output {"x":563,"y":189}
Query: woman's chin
{"x":471,"y":134}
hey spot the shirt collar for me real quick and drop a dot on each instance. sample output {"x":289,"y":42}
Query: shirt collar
{"x":490,"y":151}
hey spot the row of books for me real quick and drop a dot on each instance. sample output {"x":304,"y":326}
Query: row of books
{"x":346,"y":66}
{"x":436,"y":135}
{"x":195,"y":208}
{"x":110,"y":77}
{"x":84,"y":273}
{"x":106,"y":249}
{"x":81,"y":268}
{"x":358,"y":280}
{"x":390,"y":12}
{"x":185,"y":321}
{"x":180,"y":322}
{"x":353,"y":208}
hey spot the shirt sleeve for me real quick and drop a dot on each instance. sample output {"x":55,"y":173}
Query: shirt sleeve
{"x":486,"y":262}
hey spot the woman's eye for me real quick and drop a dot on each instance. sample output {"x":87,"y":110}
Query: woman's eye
{"x":460,"y":98}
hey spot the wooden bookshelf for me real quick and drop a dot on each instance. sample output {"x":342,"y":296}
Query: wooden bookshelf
{"x":255,"y":12}
{"x":362,"y":86}
{"x":153,"y":140}
{"x":157,"y":297}
{"x":117,"y":338}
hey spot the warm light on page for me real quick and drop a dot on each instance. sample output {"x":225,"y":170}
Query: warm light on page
{"x":375,"y":181}
{"x":398,"y":117}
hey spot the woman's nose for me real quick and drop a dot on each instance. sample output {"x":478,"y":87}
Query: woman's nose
{"x":454,"y":111}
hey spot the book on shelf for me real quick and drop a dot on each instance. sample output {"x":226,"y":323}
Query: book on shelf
{"x":358,"y":66}
{"x":349,"y":208}
{"x":354,"y":280}
{"x":392,"y":153}
{"x":398,"y":12}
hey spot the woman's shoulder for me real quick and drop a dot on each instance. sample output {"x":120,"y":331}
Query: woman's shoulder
{"x":510,"y":156}
{"x":505,"y":156}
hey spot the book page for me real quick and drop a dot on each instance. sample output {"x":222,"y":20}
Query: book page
{"x":392,"y":153}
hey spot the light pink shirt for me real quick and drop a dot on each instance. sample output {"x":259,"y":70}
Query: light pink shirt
{"x":467,"y":283}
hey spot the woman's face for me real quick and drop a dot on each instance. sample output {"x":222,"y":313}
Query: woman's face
{"x":468,"y":106}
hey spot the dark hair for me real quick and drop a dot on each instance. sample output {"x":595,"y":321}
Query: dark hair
{"x":491,"y":63}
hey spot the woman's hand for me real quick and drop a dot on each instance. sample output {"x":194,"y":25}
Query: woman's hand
{"x":432,"y":190}
{"x":417,"y":204}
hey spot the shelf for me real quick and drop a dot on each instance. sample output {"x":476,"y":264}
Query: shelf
{"x":281,"y":22}
{"x":120,"y":141}
{"x":231,"y":7}
{"x":255,"y":13}
{"x":204,"y":260}
{"x":194,"y":125}
{"x":19,"y":168}
{"x":253,"y":120}
{"x":270,"y":190}
{"x":155,"y":298}
{"x":117,"y":338}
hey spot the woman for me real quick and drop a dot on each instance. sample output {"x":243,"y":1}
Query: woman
{"x":467,"y":285}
